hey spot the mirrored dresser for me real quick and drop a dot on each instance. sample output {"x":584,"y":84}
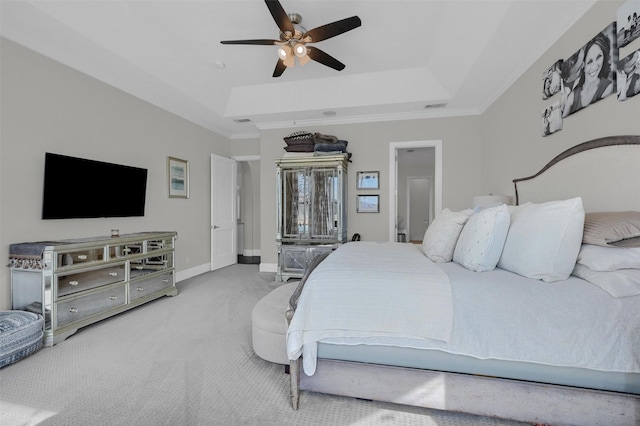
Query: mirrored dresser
{"x":74,"y":283}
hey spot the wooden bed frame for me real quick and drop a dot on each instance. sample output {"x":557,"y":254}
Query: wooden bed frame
{"x":498,"y":397}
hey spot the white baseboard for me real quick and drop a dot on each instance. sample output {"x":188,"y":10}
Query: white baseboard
{"x":192,"y":272}
{"x":268,"y":267}
{"x":204,"y":268}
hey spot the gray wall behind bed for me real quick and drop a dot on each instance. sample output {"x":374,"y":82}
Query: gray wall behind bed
{"x":512,"y":145}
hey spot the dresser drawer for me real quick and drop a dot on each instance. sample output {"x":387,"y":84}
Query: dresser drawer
{"x":159,"y":244}
{"x":80,"y":257}
{"x":79,"y":308}
{"x":122,"y":250}
{"x":80,"y":281}
{"x":147,"y":286}
{"x":150,"y":264}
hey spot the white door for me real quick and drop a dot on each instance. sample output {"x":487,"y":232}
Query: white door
{"x":223,"y":212}
{"x":419,"y":204}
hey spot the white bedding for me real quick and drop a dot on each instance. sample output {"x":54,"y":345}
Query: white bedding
{"x":497,"y":315}
{"x":348,"y":299}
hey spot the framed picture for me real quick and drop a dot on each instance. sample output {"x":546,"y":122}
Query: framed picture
{"x":591,"y":66}
{"x":629,"y":76}
{"x":368,"y":204}
{"x":552,"y":119}
{"x":368,"y":180}
{"x":628,"y":22}
{"x":552,"y":80}
{"x":178,"y":177}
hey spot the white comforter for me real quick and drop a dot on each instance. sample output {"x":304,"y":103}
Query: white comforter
{"x":416,"y":290}
{"x":498,"y":315}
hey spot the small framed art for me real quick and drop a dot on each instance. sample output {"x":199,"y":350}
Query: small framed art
{"x":178,"y":177}
{"x":368,"y":180}
{"x":368,"y":204}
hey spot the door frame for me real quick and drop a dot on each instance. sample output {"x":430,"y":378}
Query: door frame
{"x":393,"y":179}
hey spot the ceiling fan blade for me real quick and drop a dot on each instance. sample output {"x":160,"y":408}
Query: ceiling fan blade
{"x":324,"y":58}
{"x":280,"y":67}
{"x":280,"y":16}
{"x":262,"y":42}
{"x":333,"y":29}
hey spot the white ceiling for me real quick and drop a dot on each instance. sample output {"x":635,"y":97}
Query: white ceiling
{"x":406,"y":55}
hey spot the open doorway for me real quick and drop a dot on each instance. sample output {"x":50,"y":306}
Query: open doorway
{"x":416,"y":186}
{"x":248,"y":209}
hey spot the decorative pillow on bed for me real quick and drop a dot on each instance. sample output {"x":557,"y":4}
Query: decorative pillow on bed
{"x":544,"y":239}
{"x":482,"y":239}
{"x":620,"y":283}
{"x":608,"y":228}
{"x":599,"y":258}
{"x":441,"y":236}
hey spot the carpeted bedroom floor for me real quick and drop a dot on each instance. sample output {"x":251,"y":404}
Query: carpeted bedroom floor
{"x":184,"y":360}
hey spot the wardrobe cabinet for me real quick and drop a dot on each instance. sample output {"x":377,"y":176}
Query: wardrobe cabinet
{"x":312,"y":210}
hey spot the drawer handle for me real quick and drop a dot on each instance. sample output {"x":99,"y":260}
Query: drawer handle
{"x":165,"y":280}
{"x":113,"y":274}
{"x":139,"y":289}
{"x":113,"y":297}
{"x":139,"y":268}
{"x":82,"y":257}
{"x":73,"y":310}
{"x":73,"y":283}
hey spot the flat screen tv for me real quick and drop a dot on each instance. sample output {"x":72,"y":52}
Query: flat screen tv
{"x":77,"y":188}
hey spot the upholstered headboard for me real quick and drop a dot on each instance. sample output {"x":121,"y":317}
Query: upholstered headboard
{"x":605,"y":172}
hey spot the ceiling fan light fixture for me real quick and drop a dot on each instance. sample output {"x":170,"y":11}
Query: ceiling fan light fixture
{"x":294,"y":37}
{"x":300,"y":50}
{"x":283,"y":52}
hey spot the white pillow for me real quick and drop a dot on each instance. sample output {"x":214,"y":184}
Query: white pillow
{"x":544,"y":240}
{"x":600,"y":258}
{"x":441,"y":236}
{"x":620,"y":283}
{"x":482,"y":239}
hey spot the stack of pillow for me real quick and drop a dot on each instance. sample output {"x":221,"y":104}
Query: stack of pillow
{"x":539,"y":241}
{"x":546,"y":241}
{"x":610,"y":253}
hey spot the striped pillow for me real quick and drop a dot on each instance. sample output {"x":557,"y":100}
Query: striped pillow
{"x":608,"y":228}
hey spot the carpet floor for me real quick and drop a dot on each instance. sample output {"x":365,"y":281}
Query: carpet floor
{"x":184,"y":360}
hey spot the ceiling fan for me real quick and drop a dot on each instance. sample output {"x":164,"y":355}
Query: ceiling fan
{"x":294,"y":39}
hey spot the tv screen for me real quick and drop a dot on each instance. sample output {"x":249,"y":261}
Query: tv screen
{"x":79,"y":188}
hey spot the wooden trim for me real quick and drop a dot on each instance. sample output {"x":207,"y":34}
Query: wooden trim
{"x":585,"y":146}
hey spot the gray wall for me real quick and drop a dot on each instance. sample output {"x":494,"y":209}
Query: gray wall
{"x":511,"y":129}
{"x":49,"y":107}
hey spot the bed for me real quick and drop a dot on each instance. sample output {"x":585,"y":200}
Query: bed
{"x":506,"y":328}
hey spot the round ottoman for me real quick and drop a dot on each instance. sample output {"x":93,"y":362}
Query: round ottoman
{"x":269,"y":325}
{"x":20,"y":335}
